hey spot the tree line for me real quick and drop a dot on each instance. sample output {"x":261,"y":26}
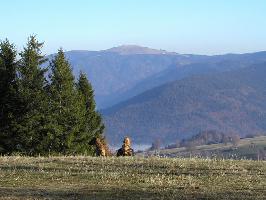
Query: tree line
{"x":43,"y":109}
{"x":207,"y":137}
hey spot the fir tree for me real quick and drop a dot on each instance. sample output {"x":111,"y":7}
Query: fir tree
{"x":8,"y":96}
{"x":33,"y":98}
{"x":93,"y":126}
{"x":66,"y":108}
{"x":93,"y":118}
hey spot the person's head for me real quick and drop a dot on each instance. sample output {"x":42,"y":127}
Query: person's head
{"x":127,"y":141}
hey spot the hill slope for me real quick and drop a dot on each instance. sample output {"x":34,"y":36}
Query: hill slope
{"x":229,"y":102}
{"x":123,"y":72}
{"x":247,"y":148}
{"x":199,"y":65}
{"x":134,"y":49}
{"x":114,"y":72}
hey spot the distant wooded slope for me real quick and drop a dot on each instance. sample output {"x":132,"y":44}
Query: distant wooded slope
{"x":231,"y":101}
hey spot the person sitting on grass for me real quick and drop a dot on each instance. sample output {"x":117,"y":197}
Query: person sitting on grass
{"x":126,"y":149}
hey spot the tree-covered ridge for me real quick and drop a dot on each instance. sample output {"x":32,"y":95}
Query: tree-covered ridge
{"x":128,"y":73}
{"x":229,"y":102}
{"x":40,"y":115}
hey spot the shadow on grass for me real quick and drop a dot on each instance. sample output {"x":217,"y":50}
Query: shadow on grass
{"x":118,"y":193}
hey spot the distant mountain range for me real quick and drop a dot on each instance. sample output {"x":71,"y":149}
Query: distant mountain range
{"x":134,"y":49}
{"x":149,"y":94}
{"x":119,"y":69}
{"x":120,"y":73}
{"x":229,"y":102}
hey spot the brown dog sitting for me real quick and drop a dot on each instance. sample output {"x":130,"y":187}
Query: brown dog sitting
{"x":126,"y":149}
{"x":101,"y":147}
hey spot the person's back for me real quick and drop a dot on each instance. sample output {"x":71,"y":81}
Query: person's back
{"x":126,"y":149}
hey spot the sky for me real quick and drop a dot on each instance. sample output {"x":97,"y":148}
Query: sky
{"x":184,"y":26}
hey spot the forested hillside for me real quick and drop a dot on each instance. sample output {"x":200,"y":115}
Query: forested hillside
{"x":112,"y":72}
{"x":120,"y":73}
{"x":229,"y":102}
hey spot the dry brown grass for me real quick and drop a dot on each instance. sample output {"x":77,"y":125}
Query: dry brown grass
{"x":130,"y":178}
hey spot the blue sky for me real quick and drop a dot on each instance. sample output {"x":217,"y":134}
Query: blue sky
{"x":184,"y":26}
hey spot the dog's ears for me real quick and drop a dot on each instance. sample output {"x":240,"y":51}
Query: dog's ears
{"x":93,"y":141}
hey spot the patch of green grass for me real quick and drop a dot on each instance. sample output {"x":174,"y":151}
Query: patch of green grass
{"x":130,"y":178}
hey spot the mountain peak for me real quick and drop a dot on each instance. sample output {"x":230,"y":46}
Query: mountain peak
{"x":135,"y":49}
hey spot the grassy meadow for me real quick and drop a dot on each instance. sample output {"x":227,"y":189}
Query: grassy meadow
{"x":130,"y":178}
{"x":246,"y":148}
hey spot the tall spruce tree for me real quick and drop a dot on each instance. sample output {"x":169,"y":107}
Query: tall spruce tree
{"x":8,"y":96}
{"x":32,"y":83}
{"x":67,"y":111}
{"x":93,"y":126}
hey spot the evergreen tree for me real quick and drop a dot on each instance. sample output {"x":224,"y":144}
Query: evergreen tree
{"x":32,"y":83}
{"x":41,"y":117}
{"x":8,"y":95}
{"x":67,"y":111}
{"x":93,"y":126}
